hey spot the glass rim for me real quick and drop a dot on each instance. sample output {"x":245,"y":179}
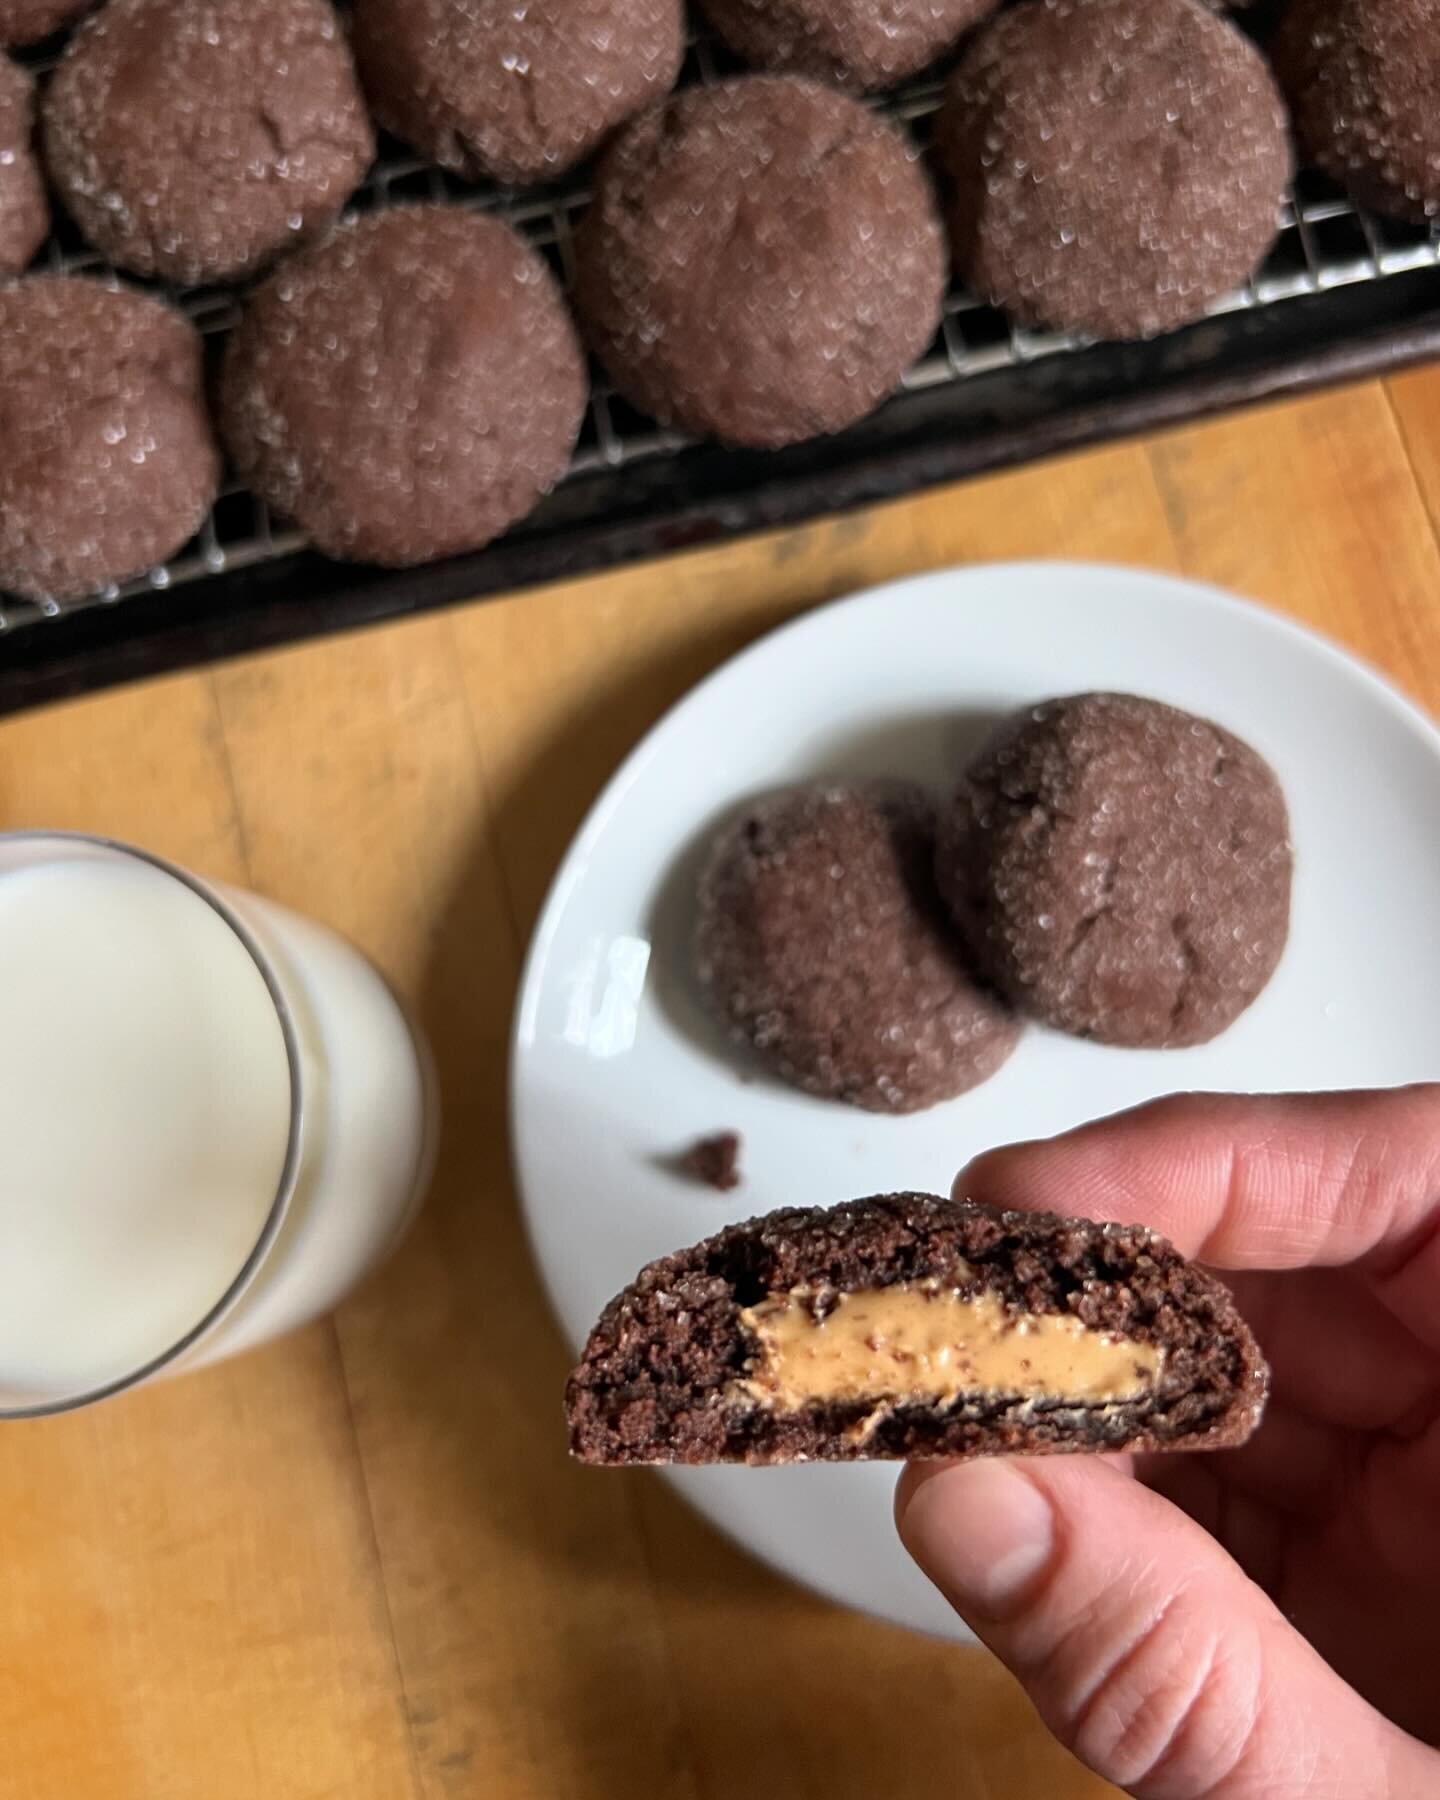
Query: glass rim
{"x":289,"y":1170}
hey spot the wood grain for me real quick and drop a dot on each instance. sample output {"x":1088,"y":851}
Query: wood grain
{"x":1415,"y":401}
{"x":1314,"y":508}
{"x":358,"y":1564}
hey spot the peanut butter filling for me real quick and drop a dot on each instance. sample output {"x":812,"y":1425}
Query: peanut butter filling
{"x":922,"y":1341}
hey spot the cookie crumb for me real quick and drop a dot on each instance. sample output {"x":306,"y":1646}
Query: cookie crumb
{"x":714,"y":1160}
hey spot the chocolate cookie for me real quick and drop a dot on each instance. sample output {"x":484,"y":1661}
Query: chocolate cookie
{"x":28,"y":21}
{"x":913,"y":1327}
{"x":107,"y":463}
{"x":762,"y":261}
{"x":407,"y":389}
{"x":1120,"y":869}
{"x":514,"y":93}
{"x":1363,"y":79}
{"x":823,"y":945}
{"x":196,"y":139}
{"x":1114,"y":165}
{"x":24,"y":210}
{"x":861,"y":43}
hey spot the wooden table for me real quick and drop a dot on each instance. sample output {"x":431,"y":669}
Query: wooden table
{"x":357,"y":1563}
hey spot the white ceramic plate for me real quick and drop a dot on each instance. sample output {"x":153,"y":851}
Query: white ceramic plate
{"x":615,"y":1067}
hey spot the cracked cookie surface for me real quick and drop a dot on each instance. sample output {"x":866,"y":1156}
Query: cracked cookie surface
{"x":856,"y":43}
{"x":194,"y":140}
{"x":514,"y":93}
{"x":24,"y":210}
{"x":107,"y":460}
{"x":762,"y":262}
{"x":1120,"y":869}
{"x":822,"y":944}
{"x":1113,"y":166}
{"x":407,"y":389}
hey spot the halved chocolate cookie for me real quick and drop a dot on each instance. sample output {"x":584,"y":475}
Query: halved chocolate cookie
{"x":911,"y":1327}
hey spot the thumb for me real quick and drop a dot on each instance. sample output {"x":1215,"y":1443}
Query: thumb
{"x":1146,"y":1649}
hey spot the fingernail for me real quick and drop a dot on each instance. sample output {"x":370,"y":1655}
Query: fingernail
{"x":981,"y":1531}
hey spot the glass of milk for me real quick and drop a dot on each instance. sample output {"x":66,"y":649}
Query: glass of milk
{"x":214,"y":1118}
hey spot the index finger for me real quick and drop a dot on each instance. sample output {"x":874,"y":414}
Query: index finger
{"x":1255,"y":1182}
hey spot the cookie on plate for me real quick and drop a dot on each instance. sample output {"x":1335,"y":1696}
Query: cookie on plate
{"x":823,"y":946}
{"x":1120,"y":869}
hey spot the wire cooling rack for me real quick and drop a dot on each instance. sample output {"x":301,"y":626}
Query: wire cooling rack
{"x":986,"y":392}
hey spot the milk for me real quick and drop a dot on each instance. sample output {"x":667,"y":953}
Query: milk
{"x":178,"y":1177}
{"x":369,"y":1121}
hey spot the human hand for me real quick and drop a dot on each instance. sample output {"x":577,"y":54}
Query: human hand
{"x":1253,"y":1622}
